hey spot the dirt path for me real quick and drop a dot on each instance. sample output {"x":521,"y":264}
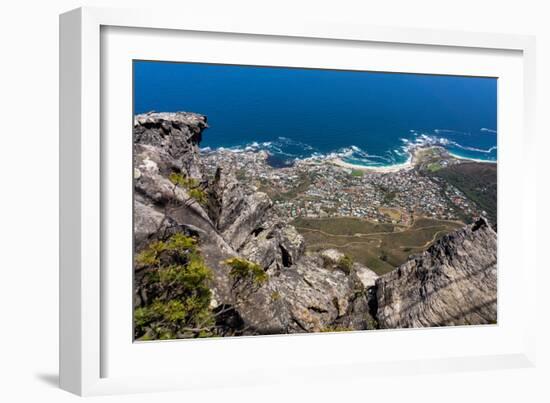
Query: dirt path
{"x":323,"y":244}
{"x":359,"y":235}
{"x":427,"y":243}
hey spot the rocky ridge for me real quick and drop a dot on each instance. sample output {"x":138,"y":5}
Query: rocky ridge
{"x":304,"y":293}
{"x":454,"y":282}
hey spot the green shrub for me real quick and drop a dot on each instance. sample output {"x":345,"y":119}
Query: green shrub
{"x":199,"y":195}
{"x":243,"y":270}
{"x":182,"y":181}
{"x":372,"y":324}
{"x":178,"y":243}
{"x":181,"y":302}
{"x":191,"y":185}
{"x":345,"y":263}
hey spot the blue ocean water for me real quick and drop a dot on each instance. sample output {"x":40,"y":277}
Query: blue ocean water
{"x":367,"y":118}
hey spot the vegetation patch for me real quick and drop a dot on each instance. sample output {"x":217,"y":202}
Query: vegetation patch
{"x":345,"y":263}
{"x":247,"y":277}
{"x":180,"y":296}
{"x":245,"y":270}
{"x":433,"y":167}
{"x":478,"y":182}
{"x":348,"y":226}
{"x":191,"y":185}
{"x":389,"y":195}
{"x":380,"y":247}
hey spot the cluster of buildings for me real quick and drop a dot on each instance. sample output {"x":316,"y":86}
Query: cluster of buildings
{"x":317,"y":188}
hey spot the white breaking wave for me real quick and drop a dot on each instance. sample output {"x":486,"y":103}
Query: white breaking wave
{"x":426,"y":140}
{"x":353,"y":154}
{"x":484,"y":129}
{"x":356,"y":154}
{"x":293,"y":150}
{"x":478,"y":150}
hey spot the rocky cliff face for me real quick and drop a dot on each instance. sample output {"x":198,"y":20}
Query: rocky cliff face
{"x":302,"y":294}
{"x":453,"y":282}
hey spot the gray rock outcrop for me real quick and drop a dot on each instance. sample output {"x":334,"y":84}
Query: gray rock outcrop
{"x":454,"y":282}
{"x":176,"y":134}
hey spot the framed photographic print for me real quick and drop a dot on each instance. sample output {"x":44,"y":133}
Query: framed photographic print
{"x":259,"y":192}
{"x":301,"y":200}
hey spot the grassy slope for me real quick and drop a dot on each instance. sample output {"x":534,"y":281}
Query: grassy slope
{"x":478,"y":181}
{"x":381,"y":247}
{"x":342,"y":225}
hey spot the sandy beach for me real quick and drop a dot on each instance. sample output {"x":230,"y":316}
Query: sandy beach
{"x":409,"y":164}
{"x":458,"y":157}
{"x":386,"y":169}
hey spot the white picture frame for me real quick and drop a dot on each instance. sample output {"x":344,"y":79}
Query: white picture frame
{"x":85,"y":343}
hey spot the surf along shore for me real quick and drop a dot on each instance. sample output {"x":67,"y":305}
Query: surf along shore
{"x":416,"y":156}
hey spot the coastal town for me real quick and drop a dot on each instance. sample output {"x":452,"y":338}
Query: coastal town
{"x":320,"y":188}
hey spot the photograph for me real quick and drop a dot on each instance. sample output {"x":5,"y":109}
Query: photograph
{"x":275,"y":200}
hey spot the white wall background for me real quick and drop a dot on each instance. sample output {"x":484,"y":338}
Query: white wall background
{"x":29,"y":201}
